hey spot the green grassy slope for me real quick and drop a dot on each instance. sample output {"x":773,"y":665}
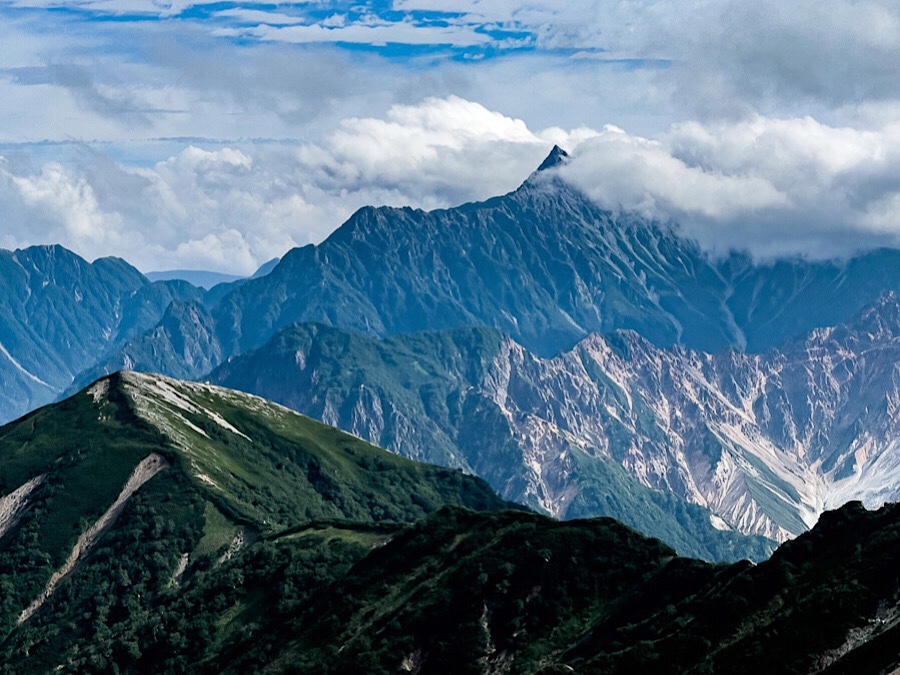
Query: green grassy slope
{"x":236,"y":468}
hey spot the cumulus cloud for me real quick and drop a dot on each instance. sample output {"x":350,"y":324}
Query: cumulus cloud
{"x":438,"y":152}
{"x":770,"y":186}
{"x":631,"y":173}
{"x":231,"y":207}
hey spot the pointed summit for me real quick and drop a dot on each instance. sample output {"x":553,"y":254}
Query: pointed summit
{"x":556,"y":157}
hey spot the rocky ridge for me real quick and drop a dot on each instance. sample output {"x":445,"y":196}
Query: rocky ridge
{"x":766,"y":441}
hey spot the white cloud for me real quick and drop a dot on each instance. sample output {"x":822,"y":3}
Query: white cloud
{"x":68,"y":199}
{"x":729,"y":58}
{"x":635,"y":174}
{"x":231,"y":208}
{"x":773,"y":186}
{"x":440,"y":151}
{"x":736,"y":58}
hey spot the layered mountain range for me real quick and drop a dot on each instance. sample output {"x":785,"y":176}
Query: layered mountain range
{"x":595,"y":353}
{"x":59,"y":313}
{"x":186,"y":528}
{"x":765,"y":441}
{"x":531,"y":349}
{"x":542,"y":264}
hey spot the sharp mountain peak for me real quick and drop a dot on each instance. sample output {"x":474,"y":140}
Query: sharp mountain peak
{"x":556,"y":157}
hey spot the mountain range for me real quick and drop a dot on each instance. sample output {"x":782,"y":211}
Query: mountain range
{"x":59,"y":312}
{"x":586,"y":330}
{"x":765,"y":441}
{"x":542,"y":264}
{"x":190,"y":528}
{"x":536,"y":366}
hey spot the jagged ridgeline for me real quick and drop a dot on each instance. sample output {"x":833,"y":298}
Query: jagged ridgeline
{"x":58,"y":313}
{"x":152,"y":525}
{"x":474,"y":399}
{"x":116,"y":497}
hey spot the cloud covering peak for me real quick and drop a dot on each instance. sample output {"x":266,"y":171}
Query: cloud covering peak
{"x":207,"y":134}
{"x":770,"y":186}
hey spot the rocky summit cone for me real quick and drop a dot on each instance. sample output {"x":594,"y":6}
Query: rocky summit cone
{"x":557,"y":157}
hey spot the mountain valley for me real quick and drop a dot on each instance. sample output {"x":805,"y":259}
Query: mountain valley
{"x":766,"y":441}
{"x":596,"y":436}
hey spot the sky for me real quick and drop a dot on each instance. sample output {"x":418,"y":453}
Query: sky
{"x":217,"y":135}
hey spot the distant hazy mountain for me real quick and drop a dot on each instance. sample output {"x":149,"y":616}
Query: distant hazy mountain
{"x":265,"y":268}
{"x":199,"y":278}
{"x":59,"y":314}
{"x":206,"y":279}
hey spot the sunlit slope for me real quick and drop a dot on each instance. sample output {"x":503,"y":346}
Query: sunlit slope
{"x":142,"y":482}
{"x":474,"y":399}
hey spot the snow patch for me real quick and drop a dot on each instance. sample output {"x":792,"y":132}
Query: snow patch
{"x":21,"y":368}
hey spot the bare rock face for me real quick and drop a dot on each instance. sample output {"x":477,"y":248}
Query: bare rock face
{"x":766,"y":442}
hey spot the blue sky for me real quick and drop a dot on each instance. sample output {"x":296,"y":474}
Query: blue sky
{"x":217,"y":134}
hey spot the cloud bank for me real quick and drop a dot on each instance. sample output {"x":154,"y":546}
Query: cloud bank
{"x":793,"y":186}
{"x":97,"y":69}
{"x":771,"y":186}
{"x":230,"y":207}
